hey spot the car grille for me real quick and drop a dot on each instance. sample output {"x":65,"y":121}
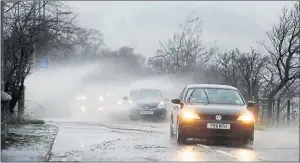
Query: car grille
{"x":149,"y":106}
{"x":213,"y":117}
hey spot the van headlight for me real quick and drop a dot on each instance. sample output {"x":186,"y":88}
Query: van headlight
{"x":161,"y":105}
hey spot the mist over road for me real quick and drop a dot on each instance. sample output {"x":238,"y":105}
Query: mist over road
{"x":100,"y":137}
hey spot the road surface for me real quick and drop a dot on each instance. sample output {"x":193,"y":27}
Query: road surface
{"x":150,"y":141}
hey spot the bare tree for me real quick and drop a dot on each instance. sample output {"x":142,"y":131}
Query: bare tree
{"x":243,"y":70}
{"x":91,"y":44}
{"x":22,"y":30}
{"x":250,"y":67}
{"x":127,"y":60}
{"x":181,"y":52}
{"x":284,"y":39}
{"x":228,"y":68}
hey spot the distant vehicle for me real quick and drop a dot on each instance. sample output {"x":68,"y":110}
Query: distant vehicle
{"x":146,"y":103}
{"x":211,"y":112}
{"x":93,"y":102}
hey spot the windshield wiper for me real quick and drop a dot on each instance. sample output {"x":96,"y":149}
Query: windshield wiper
{"x":206,"y":97}
{"x":189,"y":98}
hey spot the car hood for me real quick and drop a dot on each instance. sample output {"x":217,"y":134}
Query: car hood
{"x":218,"y":109}
{"x":147,"y":102}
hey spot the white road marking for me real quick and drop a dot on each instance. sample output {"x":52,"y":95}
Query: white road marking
{"x":204,"y":146}
{"x":219,"y":151}
{"x":226,"y":153}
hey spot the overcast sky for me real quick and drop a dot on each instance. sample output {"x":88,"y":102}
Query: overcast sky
{"x":138,"y":24}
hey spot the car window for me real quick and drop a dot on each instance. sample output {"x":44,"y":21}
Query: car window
{"x":224,"y":96}
{"x":214,"y":96}
{"x":182,"y":92}
{"x":147,"y":94}
{"x":131,"y":94}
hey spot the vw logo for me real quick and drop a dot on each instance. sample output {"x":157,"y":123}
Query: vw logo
{"x":146,"y":107}
{"x":218,"y":117}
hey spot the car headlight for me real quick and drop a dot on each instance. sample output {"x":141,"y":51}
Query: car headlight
{"x":83,"y":108}
{"x":83,"y":97}
{"x":101,"y":98}
{"x":109,"y":94}
{"x":161,"y":105}
{"x":246,"y":117}
{"x":188,"y":115}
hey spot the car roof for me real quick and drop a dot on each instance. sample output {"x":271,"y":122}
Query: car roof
{"x":140,"y":89}
{"x":211,"y":86}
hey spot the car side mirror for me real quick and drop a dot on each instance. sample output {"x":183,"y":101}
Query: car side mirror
{"x":176,"y":101}
{"x":125,"y":98}
{"x":251,"y":104}
{"x":166,"y":99}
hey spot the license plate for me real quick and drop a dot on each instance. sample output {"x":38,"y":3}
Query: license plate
{"x":146,"y":112}
{"x":218,"y":126}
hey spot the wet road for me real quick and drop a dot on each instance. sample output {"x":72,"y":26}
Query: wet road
{"x":150,"y":141}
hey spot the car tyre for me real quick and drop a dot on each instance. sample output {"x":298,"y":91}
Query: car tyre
{"x":133,"y":117}
{"x":163,"y":117}
{"x":172,"y":135}
{"x":171,"y":132}
{"x":247,"y":142}
{"x":180,"y":137}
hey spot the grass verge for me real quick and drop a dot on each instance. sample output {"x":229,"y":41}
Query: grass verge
{"x":29,"y":142}
{"x":260,"y":127}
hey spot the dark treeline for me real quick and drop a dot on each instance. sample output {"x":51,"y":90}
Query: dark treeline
{"x":35,"y":30}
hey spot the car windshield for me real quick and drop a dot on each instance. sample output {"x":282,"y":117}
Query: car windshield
{"x":146,"y":95}
{"x":214,"y":96}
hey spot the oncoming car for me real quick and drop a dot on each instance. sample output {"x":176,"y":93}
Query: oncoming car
{"x":146,"y":103}
{"x":211,"y":112}
{"x":93,"y":102}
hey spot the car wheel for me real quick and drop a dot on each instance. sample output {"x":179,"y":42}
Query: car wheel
{"x":248,"y":142}
{"x":171,"y":129}
{"x":163,"y":117}
{"x":132,"y":117}
{"x":171,"y":132}
{"x":181,"y":139}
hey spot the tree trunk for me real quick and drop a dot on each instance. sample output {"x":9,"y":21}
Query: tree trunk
{"x":13,"y":103}
{"x":4,"y":120}
{"x":269,"y":110}
{"x":271,"y":99}
{"x":21,"y":103}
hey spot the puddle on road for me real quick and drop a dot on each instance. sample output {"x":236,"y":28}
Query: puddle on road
{"x":245,"y":155}
{"x":189,"y":153}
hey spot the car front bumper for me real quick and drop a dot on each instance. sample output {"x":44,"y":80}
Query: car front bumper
{"x":157,"y":112}
{"x":198,"y":129}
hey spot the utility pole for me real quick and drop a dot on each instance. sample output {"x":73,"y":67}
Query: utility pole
{"x":34,"y":44}
{"x":40,"y":9}
{"x":2,"y":43}
{"x":44,"y":9}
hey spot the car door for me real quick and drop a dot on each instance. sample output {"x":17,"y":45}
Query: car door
{"x":176,"y":109}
